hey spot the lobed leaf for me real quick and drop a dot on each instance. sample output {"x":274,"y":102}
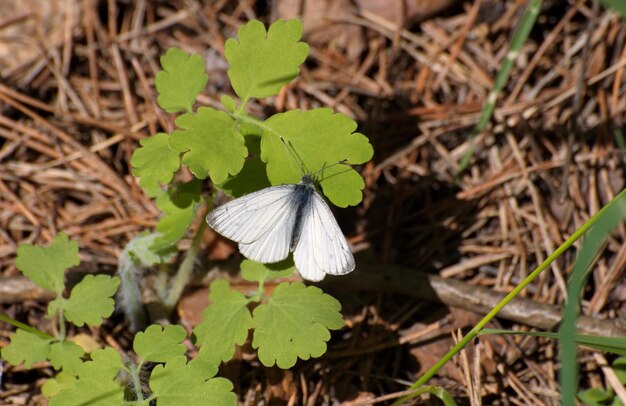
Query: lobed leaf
{"x":45,"y":266}
{"x":155,"y":163}
{"x":96,"y":383}
{"x":226,"y":323}
{"x":90,"y":300}
{"x":160,"y":345}
{"x":105,"y":364}
{"x":144,"y":251}
{"x":178,"y":205}
{"x":211,"y":144}
{"x":318,"y":139}
{"x":261,"y":62}
{"x":252,"y":177}
{"x":257,"y":272}
{"x":26,"y":348}
{"x":177,"y":383}
{"x":294,"y":324}
{"x":60,"y":382}
{"x":181,"y":80}
{"x":66,"y":356}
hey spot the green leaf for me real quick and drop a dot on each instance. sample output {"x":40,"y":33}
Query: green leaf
{"x":595,"y":397}
{"x":55,"y":385}
{"x":45,"y":266}
{"x":320,"y":139}
{"x":177,"y":383}
{"x":257,"y":272}
{"x":294,"y":324}
{"x":261,"y":62}
{"x":141,"y":250}
{"x":616,"y":5}
{"x":105,"y":364}
{"x":90,"y":301}
{"x":226,"y":322}
{"x":160,"y":345}
{"x":95,"y":384}
{"x":178,"y":205}
{"x":229,"y":103}
{"x":180,"y":81}
{"x":66,"y":355}
{"x":206,"y":362}
{"x":619,"y":367}
{"x":211,"y":143}
{"x":154,"y":163}
{"x":26,"y":348}
{"x":251,"y":178}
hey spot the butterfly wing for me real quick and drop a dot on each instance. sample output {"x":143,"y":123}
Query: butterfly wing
{"x":322,"y":248}
{"x":261,"y":222}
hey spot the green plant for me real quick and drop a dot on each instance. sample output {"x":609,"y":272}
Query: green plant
{"x":104,"y":377}
{"x":240,"y":154}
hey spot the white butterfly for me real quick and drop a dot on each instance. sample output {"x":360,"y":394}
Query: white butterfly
{"x":271,"y":222}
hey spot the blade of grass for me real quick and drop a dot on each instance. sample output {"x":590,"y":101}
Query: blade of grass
{"x":615,"y":345}
{"x":619,"y":6}
{"x":483,"y":322}
{"x":612,"y":217}
{"x":519,"y":38}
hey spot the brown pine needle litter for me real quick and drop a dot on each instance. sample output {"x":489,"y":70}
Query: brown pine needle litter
{"x":77,"y":94}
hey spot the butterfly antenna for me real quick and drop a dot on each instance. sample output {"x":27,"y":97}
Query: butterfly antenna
{"x":295,"y":155}
{"x":343,"y":161}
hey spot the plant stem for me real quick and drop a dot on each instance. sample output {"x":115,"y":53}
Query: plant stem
{"x":161,"y":282}
{"x":183,"y":276}
{"x":483,"y":322}
{"x":25,"y":327}
{"x":61,"y":325}
{"x":134,"y":373}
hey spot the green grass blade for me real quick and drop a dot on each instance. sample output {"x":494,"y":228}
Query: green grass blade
{"x":610,"y":218}
{"x":516,"y":291}
{"x":519,"y":38}
{"x":615,"y":345}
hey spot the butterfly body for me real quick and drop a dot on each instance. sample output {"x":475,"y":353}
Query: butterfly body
{"x":270,"y":223}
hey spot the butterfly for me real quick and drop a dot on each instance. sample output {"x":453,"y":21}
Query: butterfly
{"x":272,"y":222}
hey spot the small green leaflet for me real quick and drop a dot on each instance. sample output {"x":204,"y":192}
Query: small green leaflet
{"x":66,"y":355}
{"x":251,"y":178}
{"x":95,"y":384}
{"x":206,"y":362}
{"x":320,"y":139}
{"x":158,"y":345}
{"x":294,"y":324}
{"x":178,"y":205}
{"x":619,"y":367}
{"x":177,"y":383}
{"x":26,"y":348}
{"x":90,"y":301}
{"x":211,"y":143}
{"x":45,"y":266}
{"x":598,"y":397}
{"x":180,"y":81}
{"x":226,"y":322}
{"x":257,"y":272}
{"x":154,"y":163}
{"x":53,"y":386}
{"x":105,"y":364}
{"x":261,"y":62}
{"x":142,"y":254}
{"x":92,"y":392}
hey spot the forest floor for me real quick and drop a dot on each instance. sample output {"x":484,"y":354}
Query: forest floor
{"x":77,"y":94}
